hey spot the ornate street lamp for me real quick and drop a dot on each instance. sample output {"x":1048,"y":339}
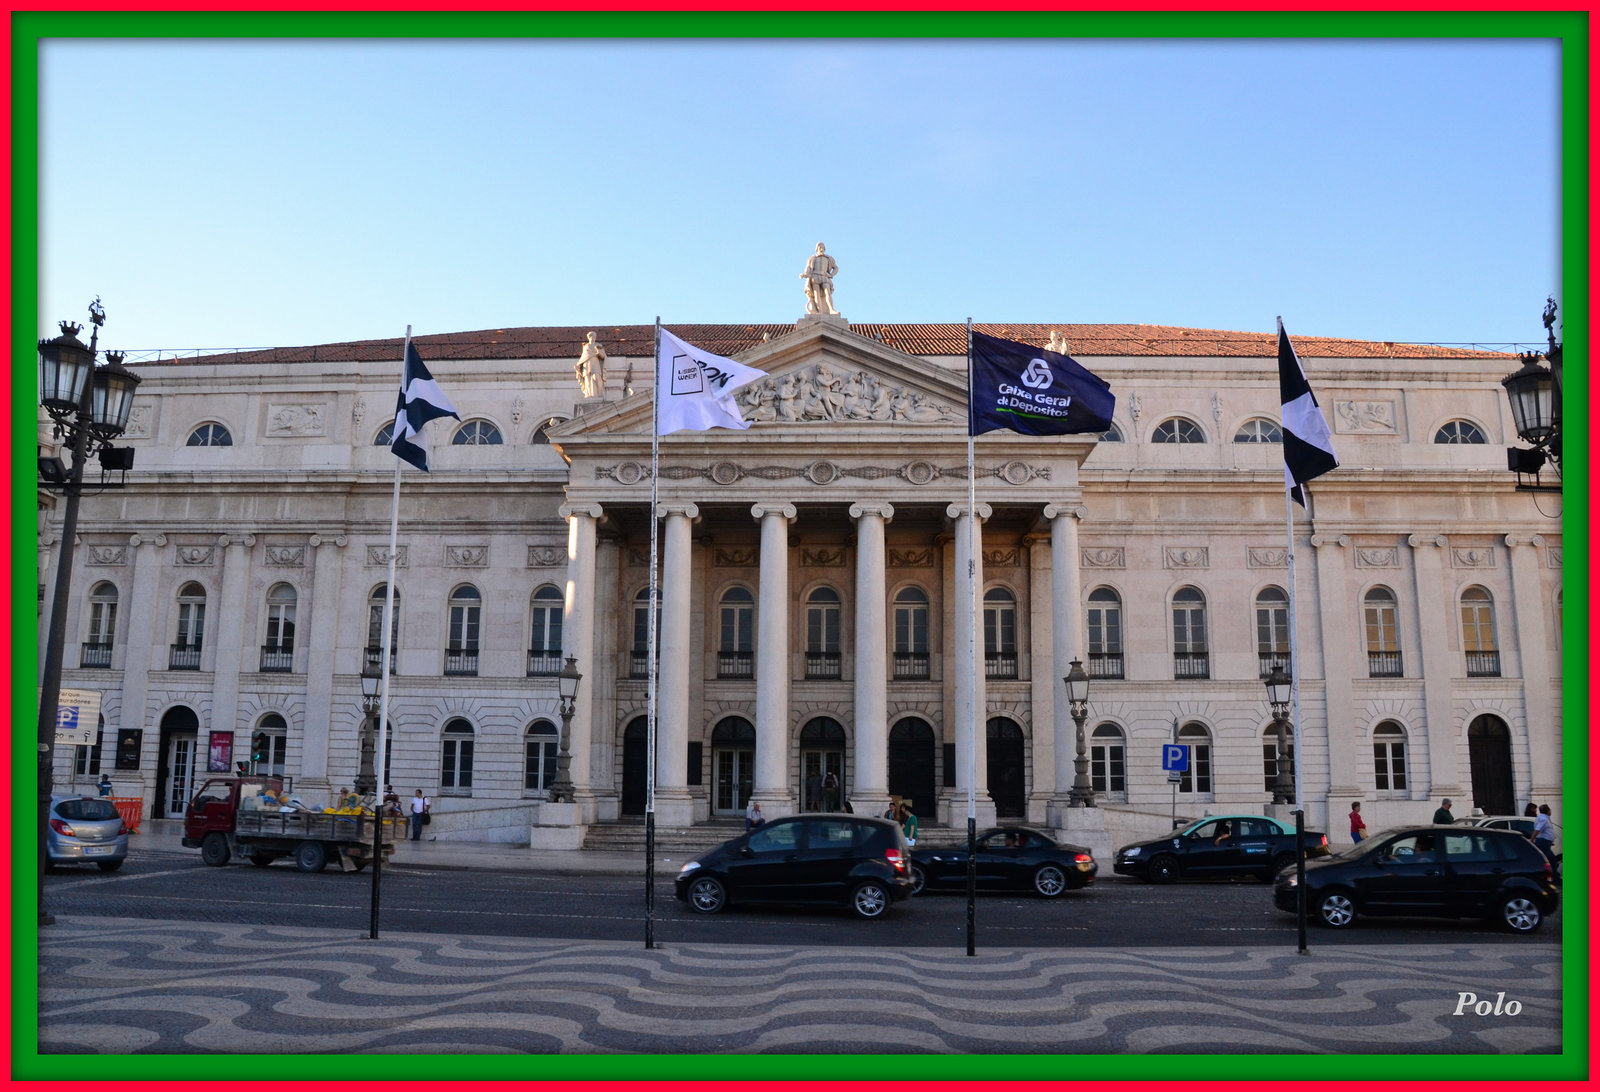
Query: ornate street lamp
{"x":89,"y":406}
{"x":1077,"y":681}
{"x":1534,"y":391}
{"x":567,"y":682}
{"x":366,"y":780}
{"x":1279,"y":691}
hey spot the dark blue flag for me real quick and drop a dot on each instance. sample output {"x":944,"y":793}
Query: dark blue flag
{"x":1032,"y":391}
{"x":421,"y":401}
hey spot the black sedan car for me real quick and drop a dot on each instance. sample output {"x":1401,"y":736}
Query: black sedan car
{"x":1218,"y":846}
{"x":1009,"y":859}
{"x":859,"y":862}
{"x":1432,"y":871}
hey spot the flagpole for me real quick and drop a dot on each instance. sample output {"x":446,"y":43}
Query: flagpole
{"x":383,"y":667}
{"x":650,"y":646}
{"x":1294,"y":690}
{"x":972,"y":671}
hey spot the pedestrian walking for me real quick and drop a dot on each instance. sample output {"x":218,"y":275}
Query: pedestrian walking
{"x":1358,"y":825}
{"x":830,"y":792}
{"x":419,"y":815}
{"x":105,"y":784}
{"x":1544,"y":835}
{"x":814,"y":792}
{"x":908,"y":823}
{"x":1530,"y":811}
{"x":1443,"y":814}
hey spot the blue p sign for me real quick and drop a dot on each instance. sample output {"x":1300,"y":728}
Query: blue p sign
{"x":1175,"y":756}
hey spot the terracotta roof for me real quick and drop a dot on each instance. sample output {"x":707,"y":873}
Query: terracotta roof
{"x":918,"y":339}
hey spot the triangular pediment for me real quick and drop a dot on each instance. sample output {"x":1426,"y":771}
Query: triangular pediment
{"x":821,"y":373}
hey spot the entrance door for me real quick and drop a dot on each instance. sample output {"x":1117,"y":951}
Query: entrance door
{"x":180,"y":774}
{"x":1489,"y":750}
{"x":174,"y":763}
{"x":822,"y":744}
{"x":635,"y":766}
{"x":1007,"y":783}
{"x":733,"y":765}
{"x":911,"y":765}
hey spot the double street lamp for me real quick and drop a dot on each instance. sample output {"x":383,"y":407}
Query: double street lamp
{"x":1534,"y":391}
{"x":1279,"y":693}
{"x":89,"y":404}
{"x":1077,"y":681}
{"x":567,"y":684}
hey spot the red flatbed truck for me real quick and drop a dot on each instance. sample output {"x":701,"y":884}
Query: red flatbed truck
{"x":221,"y":826}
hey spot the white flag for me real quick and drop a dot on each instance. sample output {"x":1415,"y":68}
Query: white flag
{"x":694,"y":388}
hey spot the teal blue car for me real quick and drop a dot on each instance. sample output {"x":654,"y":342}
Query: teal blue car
{"x":1218,"y":847}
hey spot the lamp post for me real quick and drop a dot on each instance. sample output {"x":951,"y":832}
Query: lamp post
{"x":366,"y":780}
{"x":1077,"y":681}
{"x":89,"y":405}
{"x":1534,"y":391}
{"x":567,"y":681}
{"x":1279,"y":685}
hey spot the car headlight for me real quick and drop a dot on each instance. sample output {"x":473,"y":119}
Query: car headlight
{"x":1291,"y":880}
{"x":688,"y":868}
{"x":1131,"y":851}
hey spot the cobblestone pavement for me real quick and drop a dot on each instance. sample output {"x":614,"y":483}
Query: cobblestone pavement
{"x":185,"y":988}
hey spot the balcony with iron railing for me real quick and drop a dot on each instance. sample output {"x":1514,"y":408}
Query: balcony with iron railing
{"x":544,"y":661}
{"x":1483,"y":665}
{"x":1105,"y":665}
{"x":1273,"y":660}
{"x":277,"y":657}
{"x":1384,"y":665}
{"x":184,"y":658}
{"x":1191,"y":665}
{"x":639,"y":665}
{"x":824,"y":665}
{"x":374,"y":656}
{"x":736,"y":665}
{"x":96,"y":654}
{"x":1000,"y":666}
{"x":461,"y":661}
{"x":911,"y":665}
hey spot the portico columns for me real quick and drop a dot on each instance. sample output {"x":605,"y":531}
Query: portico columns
{"x":771,"y":788}
{"x":972,"y":752}
{"x":1066,"y":636}
{"x":673,"y":805}
{"x":577,"y":640}
{"x":1438,"y":693}
{"x":1527,"y":607}
{"x":869,"y":794}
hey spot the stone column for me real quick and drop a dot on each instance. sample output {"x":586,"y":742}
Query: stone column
{"x":1067,"y":641}
{"x":1334,"y":607}
{"x":323,"y":601}
{"x":869,"y":794}
{"x":674,"y":807}
{"x":577,"y":640}
{"x":771,"y":789}
{"x":230,"y":654}
{"x":1533,"y":649}
{"x":972,"y":757}
{"x":1433,"y":622}
{"x":140,"y":650}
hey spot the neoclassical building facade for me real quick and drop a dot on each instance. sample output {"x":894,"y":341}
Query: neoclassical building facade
{"x":814,"y":610}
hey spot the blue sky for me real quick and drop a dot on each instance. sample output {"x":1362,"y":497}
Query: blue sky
{"x":227,"y":194}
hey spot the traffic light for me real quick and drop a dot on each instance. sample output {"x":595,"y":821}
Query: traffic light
{"x":258,"y":750}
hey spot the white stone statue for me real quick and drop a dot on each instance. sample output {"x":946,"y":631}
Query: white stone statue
{"x":818,"y":278}
{"x":591,"y":368}
{"x":1057,"y":343}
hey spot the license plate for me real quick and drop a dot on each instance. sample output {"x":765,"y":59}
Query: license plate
{"x":97,"y":851}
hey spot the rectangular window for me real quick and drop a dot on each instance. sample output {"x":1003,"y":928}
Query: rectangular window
{"x":949,"y":765}
{"x":696,"y":761}
{"x":1197,"y":778}
{"x":1106,"y":772}
{"x":456,"y":766}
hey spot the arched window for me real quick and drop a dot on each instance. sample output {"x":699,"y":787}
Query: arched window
{"x":911,"y":634}
{"x":541,"y":434}
{"x":1000,"y":634}
{"x":277,"y":654}
{"x":1105,"y":634}
{"x":541,"y":747}
{"x":1459,"y":432}
{"x":1477,"y":633}
{"x":544,"y":638}
{"x":736,"y":634}
{"x":1178,"y":430}
{"x":455,"y":762}
{"x":385,"y":436}
{"x":1269,"y":755}
{"x":823,"y":660}
{"x":375,"y":608}
{"x":269,"y":744}
{"x":1258,"y":430}
{"x":102,"y":626}
{"x":641,"y":632}
{"x":1272,"y":630}
{"x":1112,"y":435}
{"x":1106,"y":765}
{"x":461,"y":649}
{"x":210,"y":434}
{"x":1197,"y":778}
{"x":1383,"y":634}
{"x":1191,"y":657}
{"x":191,"y":628}
{"x":1389,"y":757}
{"x":476,"y":432}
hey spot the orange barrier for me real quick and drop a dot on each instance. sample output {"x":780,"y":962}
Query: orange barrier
{"x":131,"y":808}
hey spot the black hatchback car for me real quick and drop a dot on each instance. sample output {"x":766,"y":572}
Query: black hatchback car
{"x":853,"y":860}
{"x":1432,"y":871}
{"x":1009,"y":859}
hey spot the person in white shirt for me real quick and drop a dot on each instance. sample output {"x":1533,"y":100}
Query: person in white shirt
{"x":419,"y":808}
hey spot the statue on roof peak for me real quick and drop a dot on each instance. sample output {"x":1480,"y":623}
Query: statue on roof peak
{"x":591,"y":368}
{"x":818,"y":278}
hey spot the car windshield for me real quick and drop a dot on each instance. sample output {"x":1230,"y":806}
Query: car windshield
{"x":87,"y":810}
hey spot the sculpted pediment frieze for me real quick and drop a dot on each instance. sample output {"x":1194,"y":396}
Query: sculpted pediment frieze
{"x":825,"y":391}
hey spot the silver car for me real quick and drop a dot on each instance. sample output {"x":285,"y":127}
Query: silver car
{"x":85,"y":829}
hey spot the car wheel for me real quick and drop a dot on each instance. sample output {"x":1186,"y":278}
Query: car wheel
{"x":707,"y":895}
{"x":262,"y":860}
{"x":1164,"y":869}
{"x":214,"y":850}
{"x":869,"y":900}
{"x":919,"y":880}
{"x":1049,"y":881}
{"x":1279,"y":863}
{"x":109,"y":866}
{"x":1520,"y":914}
{"x":1336,"y":910}
{"x":310,"y":857}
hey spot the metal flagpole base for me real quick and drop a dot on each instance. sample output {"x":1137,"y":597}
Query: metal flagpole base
{"x":650,"y":879}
